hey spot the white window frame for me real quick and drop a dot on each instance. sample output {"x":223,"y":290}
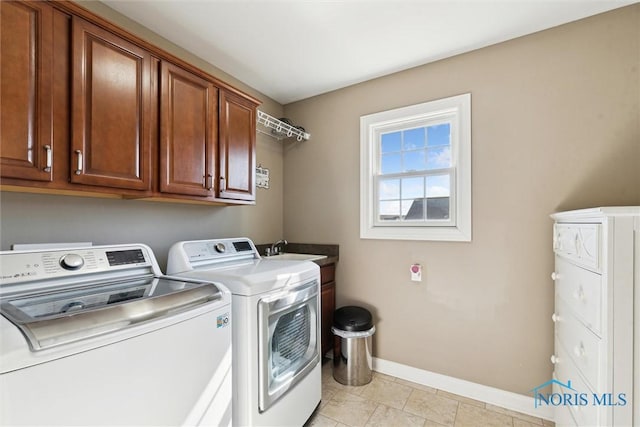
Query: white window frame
{"x":455,"y":110}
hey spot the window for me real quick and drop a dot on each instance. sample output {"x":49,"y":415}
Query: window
{"x":415,"y":174}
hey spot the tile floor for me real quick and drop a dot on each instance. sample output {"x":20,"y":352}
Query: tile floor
{"x":391,"y":402}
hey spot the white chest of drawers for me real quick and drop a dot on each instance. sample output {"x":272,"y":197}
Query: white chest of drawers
{"x":597,"y":291}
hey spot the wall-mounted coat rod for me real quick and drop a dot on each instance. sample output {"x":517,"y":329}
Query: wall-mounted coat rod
{"x":279,"y":129}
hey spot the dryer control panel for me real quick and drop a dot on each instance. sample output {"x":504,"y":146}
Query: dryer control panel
{"x":219,"y":250}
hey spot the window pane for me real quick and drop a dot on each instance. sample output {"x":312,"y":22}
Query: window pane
{"x":413,"y":138}
{"x":389,"y":189}
{"x":438,"y":186}
{"x":390,"y":163}
{"x":439,"y":158}
{"x":389,"y":210}
{"x":413,"y":210}
{"x":439,"y":135}
{"x":414,"y":161}
{"x":413,"y":188}
{"x":438,"y":208}
{"x":390,"y":142}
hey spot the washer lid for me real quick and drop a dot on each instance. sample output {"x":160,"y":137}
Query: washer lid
{"x":257,"y":276}
{"x":55,"y":318}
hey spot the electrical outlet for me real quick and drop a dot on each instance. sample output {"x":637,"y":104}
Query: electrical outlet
{"x":416,"y":273}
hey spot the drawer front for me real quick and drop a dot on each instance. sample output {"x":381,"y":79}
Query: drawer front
{"x":584,"y":348}
{"x":328,"y":273}
{"x":584,"y":414}
{"x":582,"y":291}
{"x":579,"y":243}
{"x":562,"y":416}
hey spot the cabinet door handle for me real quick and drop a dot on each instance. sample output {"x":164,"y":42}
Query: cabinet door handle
{"x":78,"y":170}
{"x":554,"y":276}
{"x":223,"y":187}
{"x":49,"y":154}
{"x":554,"y":359}
{"x":555,"y":317}
{"x":209,"y":184}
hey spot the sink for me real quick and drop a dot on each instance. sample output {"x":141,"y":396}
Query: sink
{"x":287,"y":256}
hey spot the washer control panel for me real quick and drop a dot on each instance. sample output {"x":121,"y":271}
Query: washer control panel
{"x":25,"y":266}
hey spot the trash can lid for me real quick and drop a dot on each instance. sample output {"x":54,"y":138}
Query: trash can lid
{"x":352,"y":318}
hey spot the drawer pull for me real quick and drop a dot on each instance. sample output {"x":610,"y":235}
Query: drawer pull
{"x":554,"y":276}
{"x":555,"y":317}
{"x":579,"y":350}
{"x":554,"y":359}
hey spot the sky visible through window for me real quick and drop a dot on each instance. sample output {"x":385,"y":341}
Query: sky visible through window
{"x":422,"y":149}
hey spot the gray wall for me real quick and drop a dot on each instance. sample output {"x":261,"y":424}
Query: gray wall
{"x":555,"y":126}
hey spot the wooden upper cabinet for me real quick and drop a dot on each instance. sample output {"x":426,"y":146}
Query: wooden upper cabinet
{"x":237,"y":147}
{"x":112,"y":114}
{"x":26,"y":132}
{"x":188,"y":132}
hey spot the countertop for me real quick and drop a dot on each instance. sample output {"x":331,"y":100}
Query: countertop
{"x":332,"y":252}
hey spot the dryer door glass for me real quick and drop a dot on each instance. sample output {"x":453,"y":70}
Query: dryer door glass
{"x":288,"y":335}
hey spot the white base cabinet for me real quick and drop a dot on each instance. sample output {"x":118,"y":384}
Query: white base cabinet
{"x":597,"y":297}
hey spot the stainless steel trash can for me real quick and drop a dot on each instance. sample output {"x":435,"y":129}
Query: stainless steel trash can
{"x":353,"y":330}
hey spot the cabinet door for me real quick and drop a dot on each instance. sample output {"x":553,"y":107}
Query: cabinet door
{"x":237,"y":147}
{"x":188,"y":132}
{"x":26,"y":44}
{"x":328,"y":306}
{"x":111,"y":117}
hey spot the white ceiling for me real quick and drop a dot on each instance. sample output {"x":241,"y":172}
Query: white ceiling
{"x":291,"y":50}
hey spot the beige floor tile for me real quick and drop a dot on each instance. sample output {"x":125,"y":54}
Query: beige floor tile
{"x":329,"y":382}
{"x":461,"y":398}
{"x":385,"y":416}
{"x":432,"y":407}
{"x":328,"y":391}
{"x":349,"y":409}
{"x":514,"y":414}
{"x":416,"y":385}
{"x":473,"y":416}
{"x":389,"y":393}
{"x":319,"y":420}
{"x":517,"y":422}
{"x":383,"y":376}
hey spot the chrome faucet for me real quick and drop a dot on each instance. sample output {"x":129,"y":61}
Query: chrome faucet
{"x":277,"y":247}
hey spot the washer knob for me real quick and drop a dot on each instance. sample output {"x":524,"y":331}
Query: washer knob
{"x":220,"y":248}
{"x":71,"y":261}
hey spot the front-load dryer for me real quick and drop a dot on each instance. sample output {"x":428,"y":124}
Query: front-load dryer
{"x":276,"y":331}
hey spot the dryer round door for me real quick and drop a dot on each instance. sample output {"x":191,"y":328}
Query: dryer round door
{"x":288,"y":328}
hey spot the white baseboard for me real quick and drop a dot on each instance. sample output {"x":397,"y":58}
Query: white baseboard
{"x":494,"y":396}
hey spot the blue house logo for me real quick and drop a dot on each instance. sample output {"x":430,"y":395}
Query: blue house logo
{"x":540,"y":398}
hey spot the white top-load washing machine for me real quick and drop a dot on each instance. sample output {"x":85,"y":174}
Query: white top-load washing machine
{"x":276,"y":330}
{"x":97,"y":336}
